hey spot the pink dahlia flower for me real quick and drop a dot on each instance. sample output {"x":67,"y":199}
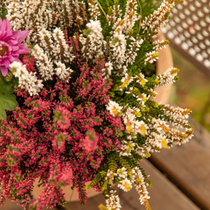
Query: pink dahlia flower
{"x":10,"y":45}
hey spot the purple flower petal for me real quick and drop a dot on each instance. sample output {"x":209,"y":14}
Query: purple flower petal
{"x":21,"y":35}
{"x":3,"y":70}
{"x":6,"y":63}
{"x":12,"y":41}
{"x":8,"y":26}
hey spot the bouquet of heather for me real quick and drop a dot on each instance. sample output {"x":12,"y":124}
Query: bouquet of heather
{"x":75,"y":106}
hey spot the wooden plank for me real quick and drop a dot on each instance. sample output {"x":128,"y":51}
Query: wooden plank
{"x":9,"y":205}
{"x":164,"y":195}
{"x":189,"y":167}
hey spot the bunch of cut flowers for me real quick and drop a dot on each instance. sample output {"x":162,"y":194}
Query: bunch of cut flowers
{"x":75,"y":106}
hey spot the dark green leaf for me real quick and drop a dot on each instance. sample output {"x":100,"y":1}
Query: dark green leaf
{"x":8,"y":102}
{"x":2,"y":114}
{"x":7,"y":87}
{"x":3,"y":15}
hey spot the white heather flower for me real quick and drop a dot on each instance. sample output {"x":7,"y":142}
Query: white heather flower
{"x":138,"y":181}
{"x":122,"y":172}
{"x":62,"y":72}
{"x":142,"y":98}
{"x":92,"y":45}
{"x":46,"y":41}
{"x":115,"y":14}
{"x":111,"y":174}
{"x":93,"y":10}
{"x":125,"y":185}
{"x":126,"y":80}
{"x":151,"y":57}
{"x":126,"y":148}
{"x":159,"y":45}
{"x":107,"y":71}
{"x":176,"y":112}
{"x":27,"y":80}
{"x":43,"y":62}
{"x":167,"y":77}
{"x":130,"y":16}
{"x":118,"y":45}
{"x":141,"y":80}
{"x":158,"y":19}
{"x":129,"y":119}
{"x":113,"y":201}
{"x":114,"y":108}
{"x":141,"y":127}
{"x":61,"y":49}
{"x":133,"y":49}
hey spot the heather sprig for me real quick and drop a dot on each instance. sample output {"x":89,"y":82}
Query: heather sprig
{"x":84,"y":108}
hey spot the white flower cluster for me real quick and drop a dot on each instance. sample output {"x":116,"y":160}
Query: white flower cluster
{"x":107,"y":71}
{"x":158,"y":19}
{"x":113,"y":201}
{"x":126,"y":148}
{"x":138,"y":181}
{"x":92,"y":45}
{"x":177,"y":116}
{"x":122,"y":172}
{"x":126,"y":80}
{"x":110,"y":175}
{"x":114,"y":108}
{"x":53,"y":45}
{"x":133,"y":49}
{"x":141,"y":97}
{"x":27,"y":80}
{"x":176,"y":112}
{"x":130,"y":16}
{"x":61,"y":49}
{"x":118,"y":46}
{"x":125,"y":185}
{"x":44,"y":63}
{"x":115,"y":14}
{"x":159,"y":45}
{"x":141,"y":79}
{"x":44,"y":15}
{"x":133,"y":126}
{"x":94,"y":10}
{"x":167,"y":77}
{"x":62,"y":72}
{"x":151,"y":57}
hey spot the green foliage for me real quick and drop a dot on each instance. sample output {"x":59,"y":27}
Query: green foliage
{"x":112,"y":165}
{"x":3,"y":11}
{"x":97,"y":178}
{"x":7,"y":98}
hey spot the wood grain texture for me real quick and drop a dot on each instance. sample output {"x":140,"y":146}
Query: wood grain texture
{"x":164,"y":196}
{"x":189,"y":167}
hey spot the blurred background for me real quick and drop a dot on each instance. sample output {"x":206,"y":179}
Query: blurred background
{"x":192,"y":90}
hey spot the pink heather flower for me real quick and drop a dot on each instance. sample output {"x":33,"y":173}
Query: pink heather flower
{"x":91,"y":141}
{"x":10,"y":45}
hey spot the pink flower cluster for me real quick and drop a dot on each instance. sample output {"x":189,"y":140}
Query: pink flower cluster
{"x":59,"y":136}
{"x":11,"y":45}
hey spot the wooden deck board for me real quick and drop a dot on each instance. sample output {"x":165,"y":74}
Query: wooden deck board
{"x":164,"y":196}
{"x":189,"y":167}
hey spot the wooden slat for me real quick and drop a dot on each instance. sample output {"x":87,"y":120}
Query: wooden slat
{"x":164,"y":195}
{"x":189,"y":167}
